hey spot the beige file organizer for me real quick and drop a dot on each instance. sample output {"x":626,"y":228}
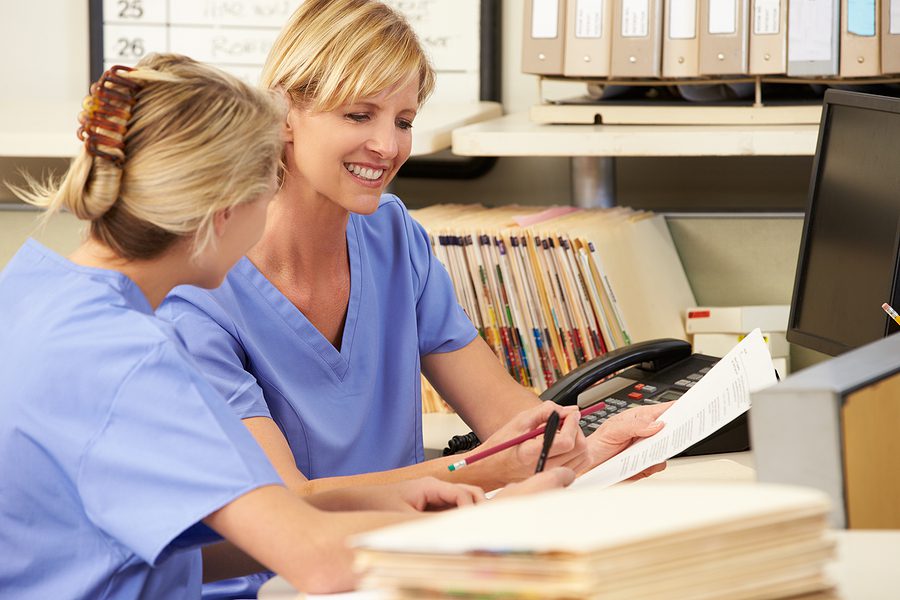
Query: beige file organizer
{"x":724,"y":39}
{"x":681,"y":39}
{"x":588,"y":39}
{"x":768,"y":37}
{"x":860,"y":54}
{"x":543,"y":39}
{"x":637,"y":38}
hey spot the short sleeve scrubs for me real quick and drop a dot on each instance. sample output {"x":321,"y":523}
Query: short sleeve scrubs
{"x":347,"y":411}
{"x":114,"y":446}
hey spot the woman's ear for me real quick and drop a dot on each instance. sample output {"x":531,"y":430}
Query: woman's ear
{"x":220,"y":220}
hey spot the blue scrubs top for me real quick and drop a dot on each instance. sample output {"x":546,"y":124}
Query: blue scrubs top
{"x":343,"y":412}
{"x":114,"y":446}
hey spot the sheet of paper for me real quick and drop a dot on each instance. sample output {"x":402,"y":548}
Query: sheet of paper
{"x":720,"y":397}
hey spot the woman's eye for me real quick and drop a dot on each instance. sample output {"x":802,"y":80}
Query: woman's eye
{"x":358,"y":117}
{"x":404,"y":124}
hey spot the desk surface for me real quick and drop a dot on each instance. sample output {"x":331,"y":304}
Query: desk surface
{"x":864,"y":570}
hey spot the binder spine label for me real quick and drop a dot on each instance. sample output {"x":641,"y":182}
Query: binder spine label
{"x":894,"y":16}
{"x":810,"y":30}
{"x":544,"y":19}
{"x":766,"y":17}
{"x":722,"y":17}
{"x":635,"y":18}
{"x":589,"y":19}
{"x":682,"y":19}
{"x":861,"y":17}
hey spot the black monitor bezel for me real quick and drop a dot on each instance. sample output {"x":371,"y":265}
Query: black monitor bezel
{"x":794,"y":334}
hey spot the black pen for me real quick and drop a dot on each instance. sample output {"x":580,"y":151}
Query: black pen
{"x":549,"y":434}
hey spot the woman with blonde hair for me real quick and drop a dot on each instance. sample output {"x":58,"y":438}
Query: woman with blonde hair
{"x":117,"y":450}
{"x":318,"y":337}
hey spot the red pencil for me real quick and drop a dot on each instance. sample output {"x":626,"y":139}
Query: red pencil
{"x":515,"y":441}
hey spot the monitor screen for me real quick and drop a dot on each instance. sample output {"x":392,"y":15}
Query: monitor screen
{"x":848,"y":265}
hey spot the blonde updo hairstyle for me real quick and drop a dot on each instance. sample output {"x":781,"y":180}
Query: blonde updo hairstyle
{"x":333,"y":52}
{"x":198,"y":141}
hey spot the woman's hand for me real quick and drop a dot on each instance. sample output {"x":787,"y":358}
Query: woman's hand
{"x":569,"y":447}
{"x":623,"y":429}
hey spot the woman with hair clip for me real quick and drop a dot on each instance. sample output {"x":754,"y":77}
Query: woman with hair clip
{"x":118,"y":453}
{"x":318,"y":337}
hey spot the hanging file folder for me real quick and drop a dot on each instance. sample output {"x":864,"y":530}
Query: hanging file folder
{"x":543,"y":39}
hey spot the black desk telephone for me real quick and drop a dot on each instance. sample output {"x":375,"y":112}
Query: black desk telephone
{"x":645,"y":373}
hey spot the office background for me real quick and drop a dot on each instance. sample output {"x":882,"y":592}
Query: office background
{"x":735,"y":220}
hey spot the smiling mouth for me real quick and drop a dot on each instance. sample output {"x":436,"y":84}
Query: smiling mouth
{"x":364,"y":172}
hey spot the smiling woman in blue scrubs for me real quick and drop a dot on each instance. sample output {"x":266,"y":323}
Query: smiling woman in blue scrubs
{"x":318,"y":337}
{"x":117,"y":453}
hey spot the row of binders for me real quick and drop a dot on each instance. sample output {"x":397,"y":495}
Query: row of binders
{"x":551,"y":288}
{"x":700,"y":38}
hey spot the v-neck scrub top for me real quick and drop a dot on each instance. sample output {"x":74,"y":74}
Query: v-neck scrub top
{"x":343,"y":412}
{"x":114,"y":447}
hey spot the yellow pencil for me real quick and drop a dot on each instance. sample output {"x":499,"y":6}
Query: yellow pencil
{"x":891,"y":312}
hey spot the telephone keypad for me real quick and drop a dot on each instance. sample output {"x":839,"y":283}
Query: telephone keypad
{"x":640,"y":394}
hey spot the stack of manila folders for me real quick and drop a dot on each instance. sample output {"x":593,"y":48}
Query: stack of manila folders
{"x":665,"y":539}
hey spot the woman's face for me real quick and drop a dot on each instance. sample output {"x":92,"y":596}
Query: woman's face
{"x":350,"y":154}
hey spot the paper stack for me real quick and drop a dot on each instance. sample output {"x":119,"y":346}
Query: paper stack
{"x":551,"y":288}
{"x":654,"y":540}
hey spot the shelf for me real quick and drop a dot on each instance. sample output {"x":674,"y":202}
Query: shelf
{"x":435,"y":124}
{"x":517,"y":135}
{"x":49,"y":131}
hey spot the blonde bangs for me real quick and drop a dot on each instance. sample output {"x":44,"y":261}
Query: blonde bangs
{"x":334,"y":53}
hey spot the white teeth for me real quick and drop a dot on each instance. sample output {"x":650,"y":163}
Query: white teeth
{"x":363,"y":172}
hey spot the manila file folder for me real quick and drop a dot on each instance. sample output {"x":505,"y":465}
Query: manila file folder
{"x":543,"y":40}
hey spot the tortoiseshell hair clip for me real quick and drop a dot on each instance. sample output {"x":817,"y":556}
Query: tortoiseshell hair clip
{"x":111,"y":96}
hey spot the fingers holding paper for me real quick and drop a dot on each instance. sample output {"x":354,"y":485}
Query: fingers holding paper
{"x":621,"y":430}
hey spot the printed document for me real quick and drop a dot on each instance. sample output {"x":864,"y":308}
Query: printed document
{"x":718,"y":398}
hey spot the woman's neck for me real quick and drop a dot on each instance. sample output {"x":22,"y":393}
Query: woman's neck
{"x":304,"y":236}
{"x":155,"y":277}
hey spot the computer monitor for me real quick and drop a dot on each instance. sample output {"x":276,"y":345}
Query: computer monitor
{"x":848,"y":264}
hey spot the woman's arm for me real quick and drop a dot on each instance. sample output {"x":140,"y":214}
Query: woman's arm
{"x":299,"y":542}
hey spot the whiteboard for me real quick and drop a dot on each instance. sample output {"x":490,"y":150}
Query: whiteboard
{"x":235,"y":35}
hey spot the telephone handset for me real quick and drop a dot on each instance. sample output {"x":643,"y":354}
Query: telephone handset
{"x":648,"y":372}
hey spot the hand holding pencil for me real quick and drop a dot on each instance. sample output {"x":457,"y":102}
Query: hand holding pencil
{"x":513,"y":449}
